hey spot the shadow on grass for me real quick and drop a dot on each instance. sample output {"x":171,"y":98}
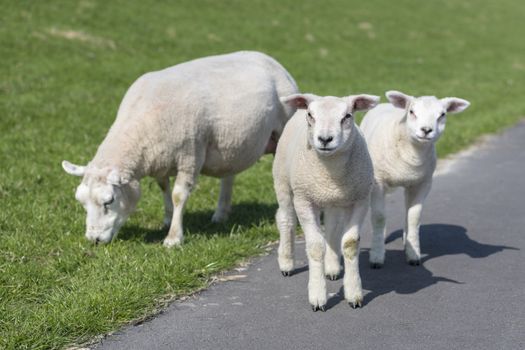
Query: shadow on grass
{"x":198,"y":223}
{"x":437,"y":240}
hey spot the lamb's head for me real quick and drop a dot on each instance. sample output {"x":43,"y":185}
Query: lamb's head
{"x":108,"y":198}
{"x":426,"y":116}
{"x":330,"y":119}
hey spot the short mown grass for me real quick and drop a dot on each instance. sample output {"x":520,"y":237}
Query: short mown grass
{"x":65,"y":66}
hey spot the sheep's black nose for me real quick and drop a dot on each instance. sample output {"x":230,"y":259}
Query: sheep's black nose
{"x":325,"y":140}
{"x":426,"y":130}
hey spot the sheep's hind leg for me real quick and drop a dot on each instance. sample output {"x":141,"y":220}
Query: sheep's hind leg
{"x":333,"y":227}
{"x":181,"y":191}
{"x":377,"y":217}
{"x":286,"y":223}
{"x":164,"y":184}
{"x":225,"y":200}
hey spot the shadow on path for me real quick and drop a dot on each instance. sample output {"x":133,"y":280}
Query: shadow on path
{"x":440,"y":239}
{"x":437,"y":240}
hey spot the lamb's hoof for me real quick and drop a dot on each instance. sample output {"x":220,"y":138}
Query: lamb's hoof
{"x":356,"y":304}
{"x":333,"y":277}
{"x":286,"y":273}
{"x":414,"y":262}
{"x":376,"y":265}
{"x":316,"y":308}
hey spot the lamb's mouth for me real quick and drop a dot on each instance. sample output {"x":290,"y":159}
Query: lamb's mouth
{"x":424,"y":138}
{"x":326,"y":149}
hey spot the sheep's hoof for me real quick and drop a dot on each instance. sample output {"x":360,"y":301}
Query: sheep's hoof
{"x":170,"y":243}
{"x":316,"y":308}
{"x":219,"y":217}
{"x":355,"y":305}
{"x":286,"y":273}
{"x":414,"y":262}
{"x":333,"y":277}
{"x":376,"y":265}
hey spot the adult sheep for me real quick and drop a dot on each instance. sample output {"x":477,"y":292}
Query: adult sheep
{"x":215,"y":115}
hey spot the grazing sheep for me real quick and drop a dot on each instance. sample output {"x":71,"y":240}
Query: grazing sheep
{"x":401,"y":138}
{"x":216,"y":115}
{"x":322,"y":165}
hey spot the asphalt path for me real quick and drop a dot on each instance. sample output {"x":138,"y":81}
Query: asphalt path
{"x":469,"y":292}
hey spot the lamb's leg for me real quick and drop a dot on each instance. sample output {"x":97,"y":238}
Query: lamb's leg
{"x":350,"y":247}
{"x":164,"y":184}
{"x":333,"y":227}
{"x":286,"y":223}
{"x":315,"y":249}
{"x":225,"y":200}
{"x":377,"y":216}
{"x":414,"y":198}
{"x":181,"y":191}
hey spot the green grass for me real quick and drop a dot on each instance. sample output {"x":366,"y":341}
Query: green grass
{"x":59,"y":95}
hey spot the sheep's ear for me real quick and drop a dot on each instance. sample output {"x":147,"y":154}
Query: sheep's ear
{"x":362,"y":102}
{"x":398,"y":99}
{"x":72,"y":169}
{"x":300,"y":101}
{"x":454,"y":105}
{"x":116,"y":178}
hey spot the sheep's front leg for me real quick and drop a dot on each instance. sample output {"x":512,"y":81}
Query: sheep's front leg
{"x":377,"y":216}
{"x":225,"y":200}
{"x":414,"y":198}
{"x":181,"y":191}
{"x":164,"y":184}
{"x":286,"y":222}
{"x":333,"y":227}
{"x":350,"y":247}
{"x":315,"y":249}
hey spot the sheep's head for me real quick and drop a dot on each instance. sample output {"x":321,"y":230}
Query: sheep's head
{"x":426,"y":116}
{"x":330,"y":119}
{"x":108,"y":198}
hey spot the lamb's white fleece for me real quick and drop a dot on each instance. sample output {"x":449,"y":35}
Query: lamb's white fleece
{"x":401,"y":138}
{"x":322,"y":165}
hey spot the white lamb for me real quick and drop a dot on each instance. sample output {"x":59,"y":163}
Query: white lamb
{"x":215,"y":115}
{"x":401,"y":138}
{"x":322,"y":165}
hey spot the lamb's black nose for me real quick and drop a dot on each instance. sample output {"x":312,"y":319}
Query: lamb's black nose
{"x":325,"y":140}
{"x":426,"y":130}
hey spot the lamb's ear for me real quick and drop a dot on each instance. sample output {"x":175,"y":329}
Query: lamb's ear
{"x":398,"y":99}
{"x":72,"y":169}
{"x":362,"y":102}
{"x":116,"y":178}
{"x":454,"y":104}
{"x":300,"y":101}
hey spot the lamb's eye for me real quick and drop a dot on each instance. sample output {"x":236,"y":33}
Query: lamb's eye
{"x":442,"y":115}
{"x":108,"y":203}
{"x":310,"y":118}
{"x":346,"y":117}
{"x":413,"y":114}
